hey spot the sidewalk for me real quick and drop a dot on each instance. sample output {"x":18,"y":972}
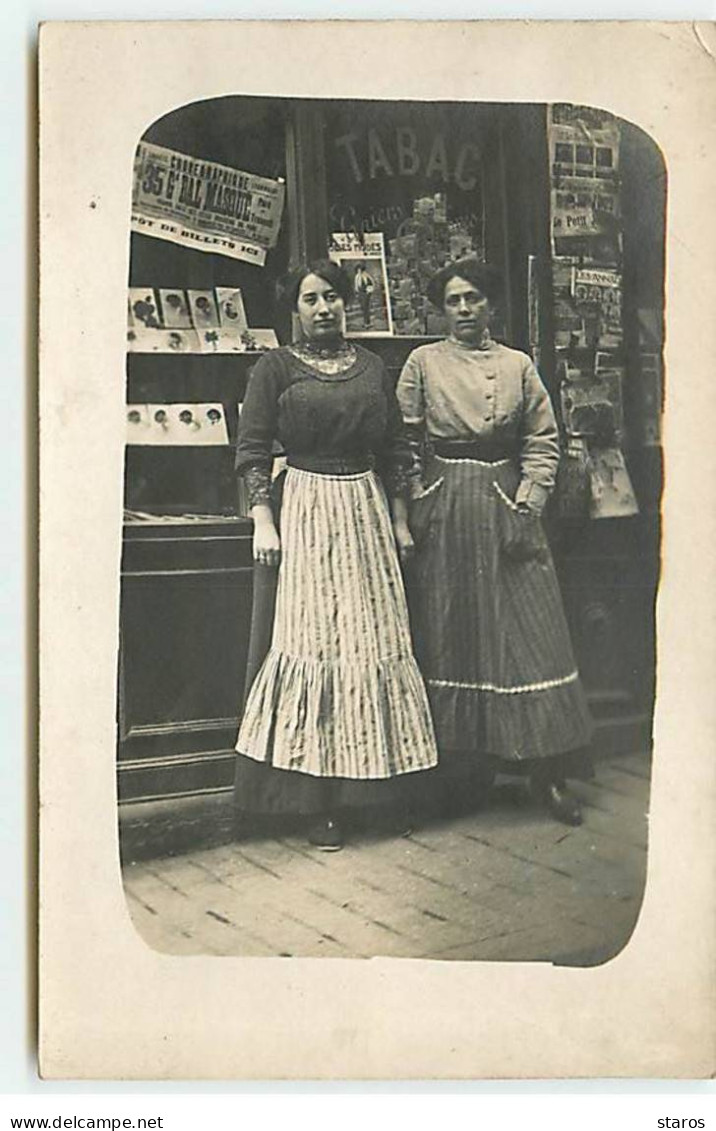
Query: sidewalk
{"x":505,"y":883}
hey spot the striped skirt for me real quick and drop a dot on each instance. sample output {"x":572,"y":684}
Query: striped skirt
{"x":489,"y":627}
{"x":339,"y":694}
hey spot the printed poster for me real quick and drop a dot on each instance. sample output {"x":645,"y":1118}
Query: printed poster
{"x":204,"y":205}
{"x":368,"y":313}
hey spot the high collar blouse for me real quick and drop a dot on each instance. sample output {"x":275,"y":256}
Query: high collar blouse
{"x":450,"y":392}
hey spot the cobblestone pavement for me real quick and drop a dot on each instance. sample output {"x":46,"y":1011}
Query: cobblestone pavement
{"x":505,"y":883}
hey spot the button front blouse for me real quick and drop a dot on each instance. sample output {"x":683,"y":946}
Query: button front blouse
{"x":450,"y":392}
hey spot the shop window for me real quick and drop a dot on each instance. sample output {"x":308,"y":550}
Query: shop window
{"x":406,"y":191}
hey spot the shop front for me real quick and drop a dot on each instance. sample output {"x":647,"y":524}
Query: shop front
{"x":228,"y":193}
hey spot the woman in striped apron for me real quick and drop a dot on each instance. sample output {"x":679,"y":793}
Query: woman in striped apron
{"x":489,"y":628}
{"x":336,"y":715}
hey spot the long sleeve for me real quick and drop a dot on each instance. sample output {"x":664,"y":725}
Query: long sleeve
{"x":539,"y":449}
{"x":411,"y":400}
{"x":395,"y":460}
{"x":257,"y":430}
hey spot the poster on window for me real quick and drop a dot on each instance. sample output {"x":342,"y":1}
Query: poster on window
{"x":204,"y":205}
{"x":368,"y":312}
{"x":583,"y":142}
{"x":587,"y":306}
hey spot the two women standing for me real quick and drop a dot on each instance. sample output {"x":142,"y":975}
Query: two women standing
{"x":337,"y":713}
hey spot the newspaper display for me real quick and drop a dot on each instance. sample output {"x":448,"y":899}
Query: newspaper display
{"x":204,"y":205}
{"x":584,"y":169}
{"x":585,"y":223}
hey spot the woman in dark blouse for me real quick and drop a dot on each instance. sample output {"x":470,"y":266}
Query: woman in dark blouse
{"x":489,"y":626}
{"x":337,"y":712}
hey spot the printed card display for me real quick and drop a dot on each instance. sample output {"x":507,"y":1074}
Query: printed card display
{"x":144,"y":308}
{"x":176,"y":424}
{"x":232,"y":315}
{"x":141,"y":339}
{"x":204,"y":314}
{"x":612,"y":494}
{"x":368,"y":312}
{"x":175,"y":309}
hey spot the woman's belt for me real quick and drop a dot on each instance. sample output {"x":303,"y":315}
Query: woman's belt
{"x":481,"y":450}
{"x":325,"y":464}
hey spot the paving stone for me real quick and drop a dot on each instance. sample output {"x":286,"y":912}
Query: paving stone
{"x":148,"y":889}
{"x":423,"y":926}
{"x":158,"y":936}
{"x":363,"y":935}
{"x":615,"y":779}
{"x":194,"y":916}
{"x":430,"y":897}
{"x":551,"y":942}
{"x":637,"y":765}
{"x":467,"y":856}
{"x":170,"y":869}
{"x":289,"y":935}
{"x":629,"y":811}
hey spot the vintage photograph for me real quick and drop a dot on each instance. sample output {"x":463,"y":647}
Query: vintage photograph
{"x":390,"y":550}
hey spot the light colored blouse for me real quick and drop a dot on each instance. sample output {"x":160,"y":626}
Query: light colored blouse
{"x":448,"y":391}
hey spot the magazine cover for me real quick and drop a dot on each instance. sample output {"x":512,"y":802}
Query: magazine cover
{"x":368,"y":313}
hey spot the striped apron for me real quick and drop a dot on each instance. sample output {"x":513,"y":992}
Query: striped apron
{"x":339,"y":694}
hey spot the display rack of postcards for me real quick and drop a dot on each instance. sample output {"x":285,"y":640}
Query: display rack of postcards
{"x":208,"y":321}
{"x":170,"y":412}
{"x":586,"y":242}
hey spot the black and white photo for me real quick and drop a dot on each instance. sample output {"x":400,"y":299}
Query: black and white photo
{"x":394,"y":672}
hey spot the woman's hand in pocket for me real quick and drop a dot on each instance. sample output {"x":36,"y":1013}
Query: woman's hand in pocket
{"x":527,"y":539}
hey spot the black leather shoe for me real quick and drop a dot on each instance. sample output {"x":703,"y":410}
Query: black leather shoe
{"x":562,"y":804}
{"x":326,"y":835}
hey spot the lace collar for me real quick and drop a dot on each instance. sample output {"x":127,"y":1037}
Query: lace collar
{"x":329,"y":360}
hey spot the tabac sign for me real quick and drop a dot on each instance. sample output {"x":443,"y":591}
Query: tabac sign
{"x":205,"y":205}
{"x":403,"y":152}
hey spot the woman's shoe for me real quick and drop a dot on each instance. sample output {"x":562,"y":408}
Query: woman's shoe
{"x":326,"y":835}
{"x":558,"y":801}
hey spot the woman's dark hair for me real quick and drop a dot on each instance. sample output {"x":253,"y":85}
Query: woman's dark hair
{"x":483,"y":276}
{"x":288,"y":288}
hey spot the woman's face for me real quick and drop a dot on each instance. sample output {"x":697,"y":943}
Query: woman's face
{"x":467,"y":310}
{"x":320,"y":308}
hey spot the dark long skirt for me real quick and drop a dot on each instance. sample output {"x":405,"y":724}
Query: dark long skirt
{"x":489,"y":629}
